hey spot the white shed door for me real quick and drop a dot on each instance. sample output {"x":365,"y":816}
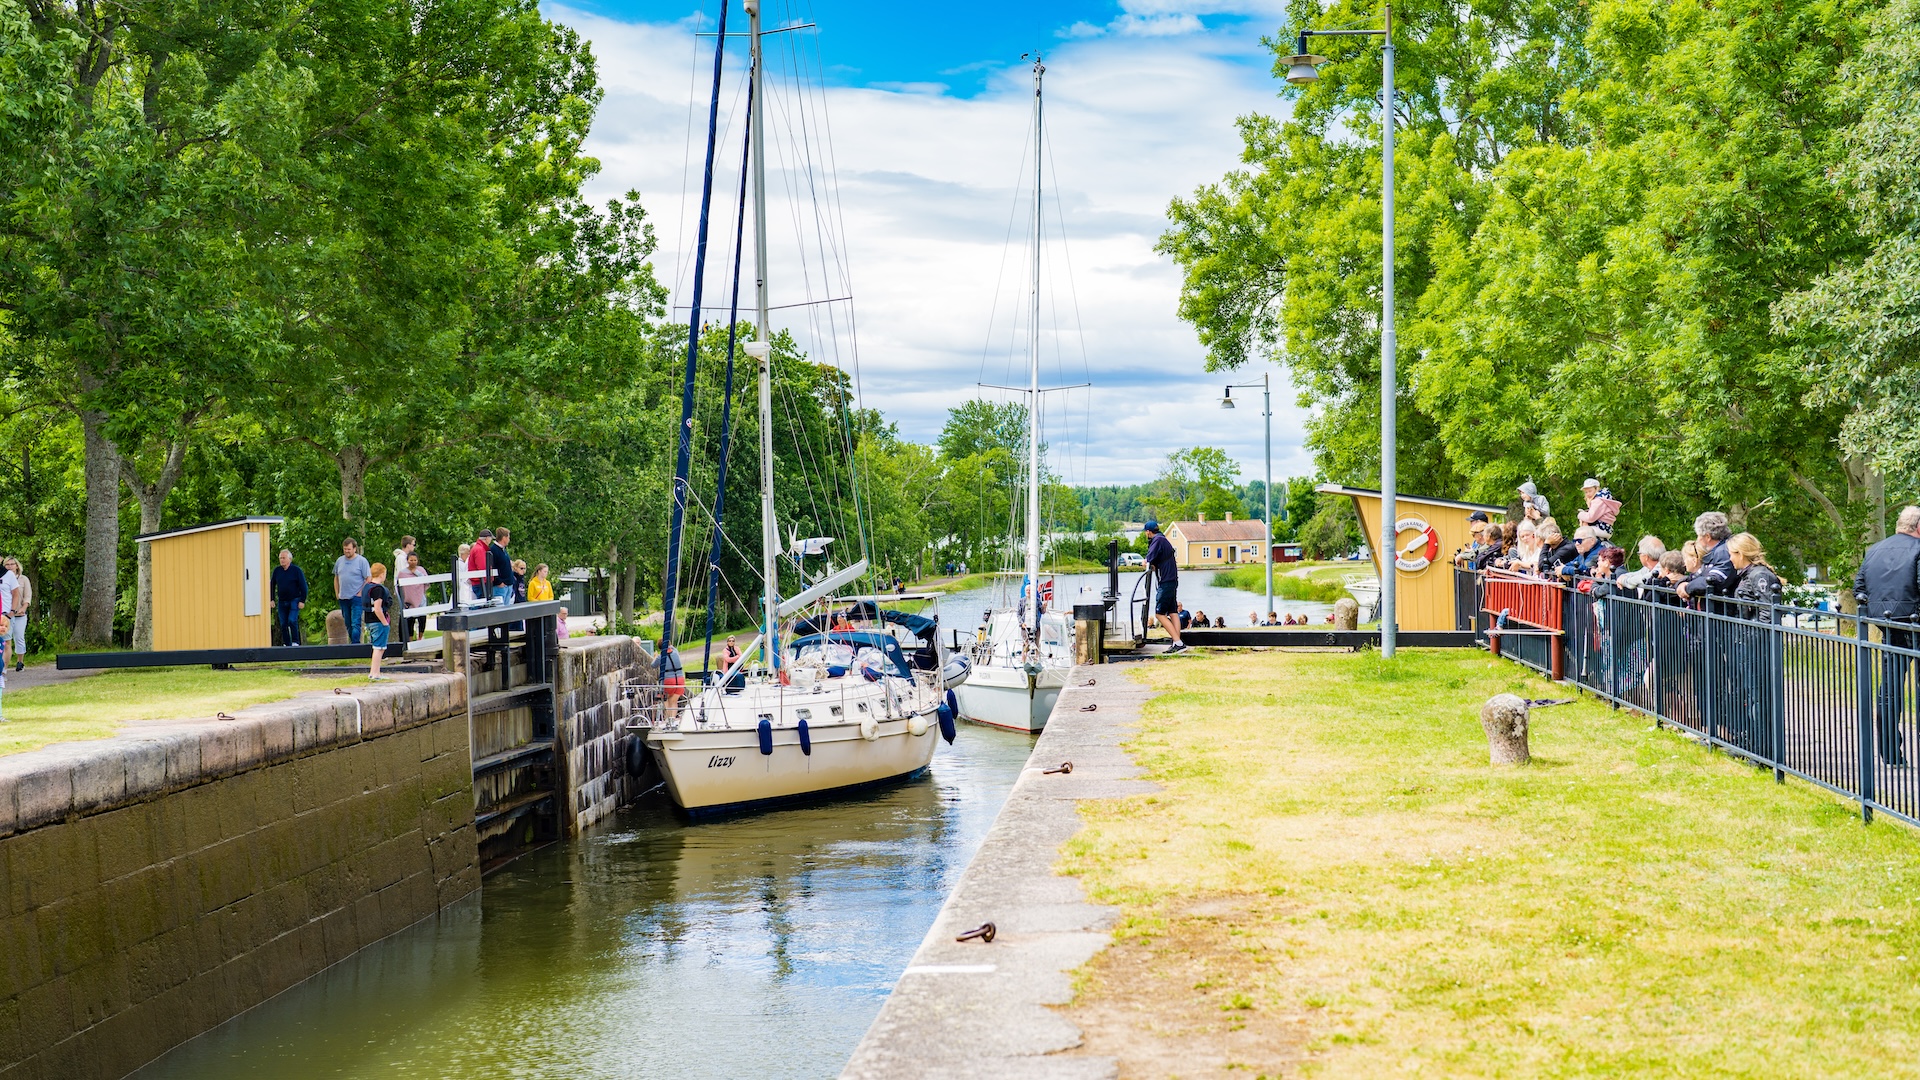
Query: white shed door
{"x":254,"y":555}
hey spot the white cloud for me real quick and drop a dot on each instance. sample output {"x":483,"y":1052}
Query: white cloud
{"x":928,"y":184}
{"x":1156,"y":25}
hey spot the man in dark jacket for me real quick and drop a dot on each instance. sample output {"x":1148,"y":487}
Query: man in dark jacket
{"x":1888,"y":587}
{"x":1166,"y":592}
{"x":289,"y":585}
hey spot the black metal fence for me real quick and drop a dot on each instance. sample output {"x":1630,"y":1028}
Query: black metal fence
{"x":1826,"y":697}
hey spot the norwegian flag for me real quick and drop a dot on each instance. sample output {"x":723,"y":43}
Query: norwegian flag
{"x":1046,"y":591}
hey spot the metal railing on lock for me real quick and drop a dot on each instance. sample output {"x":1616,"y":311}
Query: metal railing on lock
{"x":428,"y":587}
{"x":1824,"y":696}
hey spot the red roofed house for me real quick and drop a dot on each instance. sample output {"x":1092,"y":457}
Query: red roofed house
{"x":1217,"y":543}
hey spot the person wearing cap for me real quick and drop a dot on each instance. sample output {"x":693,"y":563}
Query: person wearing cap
{"x":1166,"y":590}
{"x":1601,"y":509}
{"x":1474,"y":553}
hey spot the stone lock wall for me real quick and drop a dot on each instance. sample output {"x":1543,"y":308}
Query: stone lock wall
{"x":157,"y":883}
{"x":592,"y":744}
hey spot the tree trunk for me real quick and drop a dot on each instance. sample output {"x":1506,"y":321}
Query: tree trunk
{"x":100,"y":561}
{"x":152,"y":497}
{"x":352,"y":460}
{"x":629,"y":581}
{"x":613,"y":588}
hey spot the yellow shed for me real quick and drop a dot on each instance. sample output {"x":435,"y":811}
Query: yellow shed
{"x":210,"y":585}
{"x":1429,"y":532}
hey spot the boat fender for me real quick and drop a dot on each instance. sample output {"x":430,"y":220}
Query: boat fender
{"x":806,"y":739}
{"x":916,"y":725}
{"x":869,"y":728}
{"x":636,"y":757}
{"x":766,"y":736}
{"x":836,"y":671}
{"x":946,"y":723}
{"x":953,"y":704}
{"x":870,"y":674}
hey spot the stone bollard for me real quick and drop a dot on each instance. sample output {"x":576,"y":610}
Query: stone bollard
{"x":1346,"y":613}
{"x":1504,"y":719}
{"x":337,"y":628}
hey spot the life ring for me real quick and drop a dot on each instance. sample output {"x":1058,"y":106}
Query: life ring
{"x":1418,"y":553}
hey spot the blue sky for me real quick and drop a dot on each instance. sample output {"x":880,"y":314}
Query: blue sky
{"x":919,"y":141}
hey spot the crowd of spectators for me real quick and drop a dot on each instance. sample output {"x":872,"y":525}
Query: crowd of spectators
{"x":1716,"y":566}
{"x":483,"y":572}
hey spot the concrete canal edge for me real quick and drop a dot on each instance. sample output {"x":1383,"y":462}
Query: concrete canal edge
{"x":166,"y":879}
{"x":970,"y":1009}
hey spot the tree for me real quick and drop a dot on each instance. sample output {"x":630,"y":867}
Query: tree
{"x":1197,"y":480}
{"x":1597,"y":205}
{"x":979,"y":426}
{"x":1860,"y":323}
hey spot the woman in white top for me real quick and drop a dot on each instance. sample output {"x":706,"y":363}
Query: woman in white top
{"x":462,"y":588}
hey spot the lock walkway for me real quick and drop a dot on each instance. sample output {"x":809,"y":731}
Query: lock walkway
{"x":974,"y":1009}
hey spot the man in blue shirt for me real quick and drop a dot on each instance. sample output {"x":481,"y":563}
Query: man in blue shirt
{"x":350,"y":572}
{"x":1166,"y":592}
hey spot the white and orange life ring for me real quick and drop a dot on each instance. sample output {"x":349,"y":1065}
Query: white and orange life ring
{"x":1416,"y":553}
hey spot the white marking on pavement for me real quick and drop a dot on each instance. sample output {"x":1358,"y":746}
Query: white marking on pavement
{"x":949,"y":969}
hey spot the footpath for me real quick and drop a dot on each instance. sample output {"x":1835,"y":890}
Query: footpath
{"x":977,"y":1009}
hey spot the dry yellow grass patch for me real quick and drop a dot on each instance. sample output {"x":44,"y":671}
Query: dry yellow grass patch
{"x":1629,"y":905}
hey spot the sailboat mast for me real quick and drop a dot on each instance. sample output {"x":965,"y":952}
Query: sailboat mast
{"x":1033,"y":378}
{"x":762,"y":348}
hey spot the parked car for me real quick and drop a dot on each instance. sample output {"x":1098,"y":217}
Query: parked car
{"x":1132,"y":558}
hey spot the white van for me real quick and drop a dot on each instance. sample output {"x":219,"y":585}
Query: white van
{"x":1132,"y":558}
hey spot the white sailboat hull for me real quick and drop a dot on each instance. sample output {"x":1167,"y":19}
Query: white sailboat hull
{"x":1004,"y":697}
{"x":713,"y":760}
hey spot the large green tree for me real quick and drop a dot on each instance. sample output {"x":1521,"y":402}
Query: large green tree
{"x":1597,"y":204}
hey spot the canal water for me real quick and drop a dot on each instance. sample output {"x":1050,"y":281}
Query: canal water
{"x":966,"y":610}
{"x":760,"y":946}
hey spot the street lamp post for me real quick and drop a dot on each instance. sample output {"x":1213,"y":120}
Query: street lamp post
{"x":1302,"y":70}
{"x":1226,"y":402}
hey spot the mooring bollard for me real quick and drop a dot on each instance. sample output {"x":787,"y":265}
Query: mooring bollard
{"x":1089,"y":633}
{"x":1504,"y":719}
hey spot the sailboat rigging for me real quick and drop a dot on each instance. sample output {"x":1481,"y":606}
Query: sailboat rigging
{"x":1021,"y":657}
{"x":853,"y":698}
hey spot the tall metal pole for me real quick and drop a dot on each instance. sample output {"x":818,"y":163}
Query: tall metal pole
{"x":1033,"y":381}
{"x":1389,"y":533}
{"x":762,"y":347}
{"x":1266,"y":388}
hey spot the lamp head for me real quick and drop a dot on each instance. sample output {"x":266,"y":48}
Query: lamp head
{"x":759,"y":350}
{"x":1303,"y":68}
{"x":1227,"y":401}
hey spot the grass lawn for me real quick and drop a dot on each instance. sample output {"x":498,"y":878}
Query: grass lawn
{"x":96,"y":706}
{"x":1324,"y":586}
{"x":1335,"y":883}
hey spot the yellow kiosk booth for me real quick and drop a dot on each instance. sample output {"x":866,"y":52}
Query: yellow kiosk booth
{"x":1427,"y":534}
{"x":210,"y":585}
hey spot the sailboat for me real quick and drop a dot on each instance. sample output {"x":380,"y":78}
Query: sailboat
{"x":1023,"y":654}
{"x":843,"y":705}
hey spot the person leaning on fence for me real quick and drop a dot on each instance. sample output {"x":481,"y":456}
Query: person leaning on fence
{"x":413,"y":596}
{"x":1580,"y":561}
{"x":1888,"y":589}
{"x":1650,"y":550}
{"x":1756,"y":676}
{"x":1716,"y":576}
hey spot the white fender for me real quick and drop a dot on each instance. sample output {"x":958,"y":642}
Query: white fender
{"x":916,"y":725}
{"x":869,"y":728}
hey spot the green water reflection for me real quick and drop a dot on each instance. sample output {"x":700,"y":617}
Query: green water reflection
{"x":755,"y":947}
